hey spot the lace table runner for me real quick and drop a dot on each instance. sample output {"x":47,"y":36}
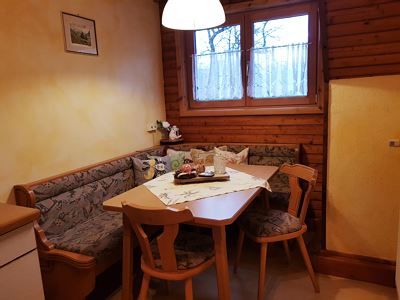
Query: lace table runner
{"x":169,"y":193}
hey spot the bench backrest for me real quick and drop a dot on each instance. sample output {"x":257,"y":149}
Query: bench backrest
{"x":70,"y":198}
{"x":259,"y":154}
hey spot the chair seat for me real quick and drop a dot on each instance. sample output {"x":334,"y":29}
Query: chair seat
{"x":191,"y":250}
{"x":270,"y":223}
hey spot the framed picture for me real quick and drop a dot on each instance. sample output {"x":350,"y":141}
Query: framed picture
{"x":80,"y":34}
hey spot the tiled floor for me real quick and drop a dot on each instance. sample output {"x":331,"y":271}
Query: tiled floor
{"x":284,"y":281}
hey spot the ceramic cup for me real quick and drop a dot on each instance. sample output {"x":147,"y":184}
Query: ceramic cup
{"x":219,"y":165}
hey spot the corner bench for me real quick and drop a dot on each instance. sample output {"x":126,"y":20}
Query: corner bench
{"x":77,"y":239}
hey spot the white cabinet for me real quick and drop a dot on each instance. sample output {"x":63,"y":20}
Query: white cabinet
{"x":20,"y":276}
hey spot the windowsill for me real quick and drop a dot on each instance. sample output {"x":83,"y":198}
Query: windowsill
{"x":242,"y":111}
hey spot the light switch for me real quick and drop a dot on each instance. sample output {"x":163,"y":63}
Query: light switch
{"x":394,"y":143}
{"x":151,"y":127}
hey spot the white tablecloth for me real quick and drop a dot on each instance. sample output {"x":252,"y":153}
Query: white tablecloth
{"x":169,"y":193}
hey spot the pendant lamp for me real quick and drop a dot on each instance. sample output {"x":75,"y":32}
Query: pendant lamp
{"x":193,"y":14}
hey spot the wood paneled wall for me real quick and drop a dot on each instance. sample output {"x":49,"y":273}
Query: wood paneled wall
{"x":305,"y":129}
{"x":362,"y":39}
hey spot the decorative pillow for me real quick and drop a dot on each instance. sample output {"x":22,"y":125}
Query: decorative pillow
{"x":178,"y":158}
{"x":205,"y":157}
{"x":233,"y":158}
{"x":148,"y":169}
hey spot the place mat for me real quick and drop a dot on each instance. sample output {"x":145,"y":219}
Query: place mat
{"x":169,"y":193}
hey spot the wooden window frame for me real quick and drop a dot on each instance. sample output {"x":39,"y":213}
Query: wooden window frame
{"x":310,"y":104}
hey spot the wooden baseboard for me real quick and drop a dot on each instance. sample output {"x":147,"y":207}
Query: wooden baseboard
{"x":357,"y":267}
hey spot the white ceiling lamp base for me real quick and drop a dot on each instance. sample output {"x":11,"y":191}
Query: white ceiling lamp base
{"x":193,"y":14}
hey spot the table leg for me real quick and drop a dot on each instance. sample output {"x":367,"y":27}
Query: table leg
{"x":127,"y":261}
{"x":266,"y":195}
{"x":221,"y":261}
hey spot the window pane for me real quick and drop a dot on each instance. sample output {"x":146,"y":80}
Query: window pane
{"x":217,"y":71}
{"x":279,"y":58}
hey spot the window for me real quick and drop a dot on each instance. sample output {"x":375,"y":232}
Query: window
{"x":217,"y":64}
{"x":278,"y":58}
{"x":263,"y":58}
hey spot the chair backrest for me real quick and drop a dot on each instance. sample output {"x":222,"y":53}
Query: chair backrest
{"x":297,"y":193}
{"x":169,"y":218}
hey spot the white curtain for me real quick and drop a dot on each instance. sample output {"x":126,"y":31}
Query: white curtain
{"x":279,"y":71}
{"x":217,"y":76}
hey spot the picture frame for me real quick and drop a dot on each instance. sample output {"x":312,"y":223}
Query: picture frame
{"x":80,"y":34}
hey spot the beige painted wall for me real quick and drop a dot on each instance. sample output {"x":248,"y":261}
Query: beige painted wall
{"x":59,"y":110}
{"x":363,"y":186}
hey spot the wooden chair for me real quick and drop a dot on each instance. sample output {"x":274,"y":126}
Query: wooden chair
{"x":173,"y":255}
{"x":274,"y":225}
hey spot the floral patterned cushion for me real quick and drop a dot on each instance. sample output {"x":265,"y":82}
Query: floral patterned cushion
{"x":270,"y":223}
{"x":148,"y":169}
{"x":279,"y":183}
{"x":273,"y":151}
{"x":233,"y":158}
{"x":178,"y":158}
{"x":204,"y":157}
{"x":191,"y":250}
{"x":64,"y":211}
{"x":99,"y":236}
{"x":270,"y":160}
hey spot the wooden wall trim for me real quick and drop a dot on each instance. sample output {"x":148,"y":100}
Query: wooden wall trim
{"x":357,"y":267}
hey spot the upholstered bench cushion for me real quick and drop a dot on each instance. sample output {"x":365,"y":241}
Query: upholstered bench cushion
{"x":191,"y":250}
{"x":279,"y":183}
{"x":274,"y":156}
{"x":67,"y":210}
{"x":269,"y":223}
{"x":99,"y":236}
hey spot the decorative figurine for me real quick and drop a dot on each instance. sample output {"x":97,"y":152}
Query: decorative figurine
{"x":170,"y":133}
{"x":174,"y":133}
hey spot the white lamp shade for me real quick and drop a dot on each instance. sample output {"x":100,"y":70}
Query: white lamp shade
{"x":193,"y":14}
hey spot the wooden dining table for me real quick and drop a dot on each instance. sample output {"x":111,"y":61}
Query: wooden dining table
{"x":214,"y":212}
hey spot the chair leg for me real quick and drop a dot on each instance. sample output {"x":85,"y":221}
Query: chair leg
{"x":238,"y":250}
{"x":307,"y":262}
{"x":263,"y":267}
{"x":188,"y":289}
{"x":145,"y":287}
{"x":287,"y":250}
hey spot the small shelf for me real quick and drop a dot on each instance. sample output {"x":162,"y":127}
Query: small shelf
{"x":171,"y":142}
